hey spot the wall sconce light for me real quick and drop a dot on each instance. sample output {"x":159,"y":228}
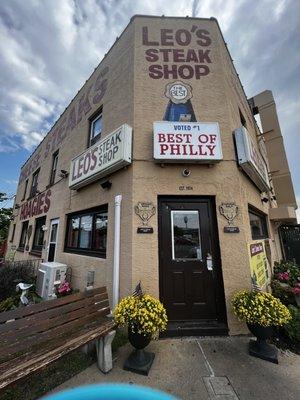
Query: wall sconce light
{"x":264,"y":199}
{"x":90,"y":280}
{"x":106,"y":184}
{"x":44,"y":228}
{"x":63,"y":173}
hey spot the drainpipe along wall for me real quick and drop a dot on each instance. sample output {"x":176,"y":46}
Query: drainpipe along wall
{"x":116,"y":265}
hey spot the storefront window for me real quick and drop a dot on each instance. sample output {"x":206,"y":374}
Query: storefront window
{"x":87,"y":232}
{"x":73,"y":232}
{"x":186,"y":242}
{"x":38,"y":239}
{"x":258,"y":224}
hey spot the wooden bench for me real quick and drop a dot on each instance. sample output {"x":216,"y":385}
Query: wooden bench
{"x":32,"y":337}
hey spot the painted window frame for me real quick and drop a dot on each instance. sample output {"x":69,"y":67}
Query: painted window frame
{"x":39,"y":223}
{"x":34,"y":185}
{"x":92,"y":251}
{"x":23,"y":236}
{"x":95,"y":117}
{"x":53,"y":168}
{"x":263,"y":220}
{"x":25,"y":189}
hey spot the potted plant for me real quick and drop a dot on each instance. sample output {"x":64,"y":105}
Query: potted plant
{"x":261,"y":311}
{"x":145,"y":317}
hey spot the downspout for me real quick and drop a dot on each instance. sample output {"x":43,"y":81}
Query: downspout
{"x":116,"y":265}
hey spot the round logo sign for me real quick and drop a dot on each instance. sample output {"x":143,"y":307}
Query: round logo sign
{"x":178,"y":92}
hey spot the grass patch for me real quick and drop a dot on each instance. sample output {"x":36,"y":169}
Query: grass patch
{"x":39,"y":383}
{"x":119,"y":340}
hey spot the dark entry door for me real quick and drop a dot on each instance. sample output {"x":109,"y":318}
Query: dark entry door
{"x":191,"y":283}
{"x":290,"y":240}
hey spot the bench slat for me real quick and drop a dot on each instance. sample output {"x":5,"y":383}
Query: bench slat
{"x":47,"y":305}
{"x":53,"y":333}
{"x":37,"y":327}
{"x":24,"y":368}
{"x":58,"y":311}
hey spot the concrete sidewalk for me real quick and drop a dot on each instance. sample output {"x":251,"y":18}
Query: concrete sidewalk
{"x":206,"y":368}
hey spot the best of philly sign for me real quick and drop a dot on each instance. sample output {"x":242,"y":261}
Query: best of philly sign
{"x":108,"y":155}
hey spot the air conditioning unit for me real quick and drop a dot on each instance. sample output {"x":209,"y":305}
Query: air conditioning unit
{"x":49,"y":275}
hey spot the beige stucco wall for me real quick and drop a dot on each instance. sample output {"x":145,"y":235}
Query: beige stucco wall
{"x":134,"y":98}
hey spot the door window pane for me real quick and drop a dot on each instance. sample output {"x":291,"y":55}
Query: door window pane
{"x":53,"y":232}
{"x":186,"y":242}
{"x":85,"y":231}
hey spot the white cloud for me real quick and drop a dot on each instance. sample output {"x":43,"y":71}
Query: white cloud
{"x":49,"y":48}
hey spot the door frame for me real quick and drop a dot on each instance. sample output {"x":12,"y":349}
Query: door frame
{"x":220,"y":293}
{"x":49,"y":237}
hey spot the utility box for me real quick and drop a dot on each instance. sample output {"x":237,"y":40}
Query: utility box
{"x":49,"y":275}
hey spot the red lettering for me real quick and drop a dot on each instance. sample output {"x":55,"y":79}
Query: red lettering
{"x":155,"y":71}
{"x":152,"y":55}
{"x":71,"y":119}
{"x":94,"y":159}
{"x":211,"y":148}
{"x":84,"y":105}
{"x":203,"y":138}
{"x":163,"y":148}
{"x":204,"y":39}
{"x":170,"y":73}
{"x":41,"y":203}
{"x":170,"y":138}
{"x":175,"y":149}
{"x":146,"y":41}
{"x":100,"y":86}
{"x":47,"y":201}
{"x":166,"y":37}
{"x":183,"y":37}
{"x":203,"y":56}
{"x":34,"y":206}
{"x":178,"y":56}
{"x":87,"y":163}
{"x":213,"y":138}
{"x":161,"y":137}
{"x":80,"y":166}
{"x":189,"y":71}
{"x":191,"y":56}
{"x":201,"y":70}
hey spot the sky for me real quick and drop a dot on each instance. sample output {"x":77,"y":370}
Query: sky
{"x":50,"y":47}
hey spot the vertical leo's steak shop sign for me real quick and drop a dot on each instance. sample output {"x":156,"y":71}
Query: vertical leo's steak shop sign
{"x":106,"y":156}
{"x":187,"y":142}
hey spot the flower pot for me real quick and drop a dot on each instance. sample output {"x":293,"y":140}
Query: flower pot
{"x":261,"y":332}
{"x":259,"y":347}
{"x":139,"y":361}
{"x":138,"y":340}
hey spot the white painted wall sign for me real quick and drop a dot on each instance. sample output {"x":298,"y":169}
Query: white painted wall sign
{"x":187,"y":142}
{"x":251,"y":160}
{"x":106,"y":156}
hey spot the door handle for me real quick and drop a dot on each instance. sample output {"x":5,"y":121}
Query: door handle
{"x":209,"y":262}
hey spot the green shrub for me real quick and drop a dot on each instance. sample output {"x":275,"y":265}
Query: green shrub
{"x":290,"y":267}
{"x":292,"y":328}
{"x":282,"y":293}
{"x":10,"y":277}
{"x":9,"y":303}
